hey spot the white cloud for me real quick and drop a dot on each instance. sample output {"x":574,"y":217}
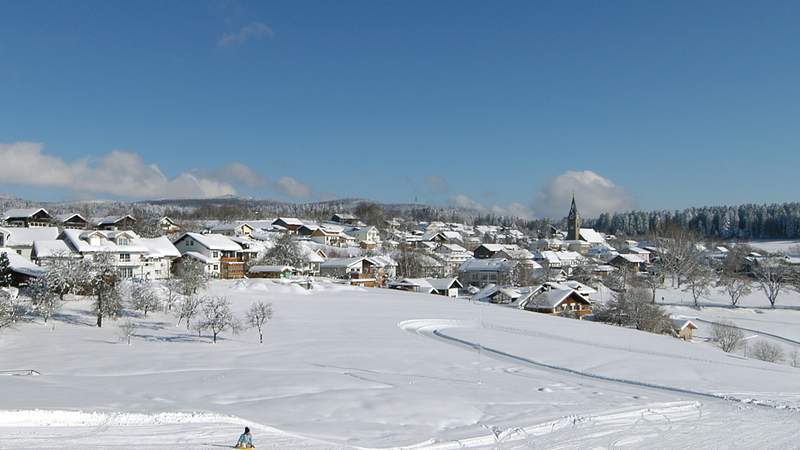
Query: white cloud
{"x":254,"y":31}
{"x":513,"y":209}
{"x":293,"y":188}
{"x":238,"y":173}
{"x":594,"y":194}
{"x":117,"y":173}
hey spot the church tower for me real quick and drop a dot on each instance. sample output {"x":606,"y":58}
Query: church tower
{"x":573,"y":222}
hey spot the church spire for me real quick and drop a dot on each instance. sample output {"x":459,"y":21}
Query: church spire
{"x":573,"y":222}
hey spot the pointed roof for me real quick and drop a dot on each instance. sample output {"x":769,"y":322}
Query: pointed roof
{"x":573,"y":209}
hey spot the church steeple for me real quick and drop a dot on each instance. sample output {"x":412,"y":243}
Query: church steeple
{"x":573,"y":222}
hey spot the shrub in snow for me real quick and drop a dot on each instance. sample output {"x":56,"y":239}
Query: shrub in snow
{"x":192,"y":275}
{"x":258,"y":315}
{"x":144,"y":297}
{"x":44,"y":300}
{"x":726,"y":335}
{"x":127,"y":329}
{"x":768,"y":352}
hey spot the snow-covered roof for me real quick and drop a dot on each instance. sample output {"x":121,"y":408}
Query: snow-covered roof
{"x":452,"y":247}
{"x":341,"y":262}
{"x":591,"y":236}
{"x":51,"y":249}
{"x":66,"y":216}
{"x":637,"y":251}
{"x":680,"y":324}
{"x":553,"y":297}
{"x":200,"y":257}
{"x":111,"y":220}
{"x":78,"y":240}
{"x":214,"y":241}
{"x":21,"y":264}
{"x":290,"y":221}
{"x":160,"y":247}
{"x":487,"y":265}
{"x":25,"y":237}
{"x":441,"y":284}
{"x":631,"y":258}
{"x":22,"y":213}
{"x":383,"y":261}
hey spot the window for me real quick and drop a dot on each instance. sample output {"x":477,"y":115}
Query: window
{"x":122,"y":241}
{"x":215,"y":254}
{"x":124,"y":257}
{"x":216,"y":266}
{"x":126,"y":272}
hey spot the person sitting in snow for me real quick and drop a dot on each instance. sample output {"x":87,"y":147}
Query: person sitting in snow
{"x":245,"y":440}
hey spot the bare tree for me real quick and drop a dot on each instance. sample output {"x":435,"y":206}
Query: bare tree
{"x":734,"y":286}
{"x":679,"y":252}
{"x":258,"y":315}
{"x":218,"y":317}
{"x":105,"y":284}
{"x":772,"y":276}
{"x":409,"y":262}
{"x":173,"y":288}
{"x":699,"y":279}
{"x":144,"y":297}
{"x":189,"y":309}
{"x":192,"y":275}
{"x":127,"y":329}
{"x":766,"y":351}
{"x":726,"y":335}
{"x":44,"y":301}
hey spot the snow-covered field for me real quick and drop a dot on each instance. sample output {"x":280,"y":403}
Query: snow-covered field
{"x":345,"y":367}
{"x":776,"y":246}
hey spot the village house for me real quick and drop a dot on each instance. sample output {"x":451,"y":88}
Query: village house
{"x":21,"y":240}
{"x":114,"y":223}
{"x":272,"y":271}
{"x":22,"y":269}
{"x":628,"y":261}
{"x":156,"y":263}
{"x":345,"y":219}
{"x":683,"y":328}
{"x":368,"y":234}
{"x":559,"y":302}
{"x":28,"y":217}
{"x":448,"y":287}
{"x":291,"y":224}
{"x":232,"y":229}
{"x":453,"y":255}
{"x":72,"y":221}
{"x":44,"y":252}
{"x":126,"y":256}
{"x":218,"y":253}
{"x":168,"y":226}
{"x":480,"y":272}
{"x":360,"y":271}
{"x":633,"y":250}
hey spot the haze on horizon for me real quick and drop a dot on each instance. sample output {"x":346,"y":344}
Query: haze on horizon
{"x":507,"y":109}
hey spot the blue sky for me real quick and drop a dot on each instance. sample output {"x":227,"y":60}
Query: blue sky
{"x":508,"y":106}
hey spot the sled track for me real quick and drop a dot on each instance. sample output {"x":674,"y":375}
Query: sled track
{"x":763,"y":333}
{"x":433,"y":328}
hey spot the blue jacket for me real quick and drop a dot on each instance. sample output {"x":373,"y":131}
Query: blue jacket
{"x":245,"y":441}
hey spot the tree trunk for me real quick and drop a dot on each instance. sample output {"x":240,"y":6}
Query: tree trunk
{"x":260,"y":338}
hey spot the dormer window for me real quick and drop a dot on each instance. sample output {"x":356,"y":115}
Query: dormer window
{"x":122,"y":241}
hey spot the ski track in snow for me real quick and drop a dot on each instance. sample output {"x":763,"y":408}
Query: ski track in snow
{"x":432,"y":328}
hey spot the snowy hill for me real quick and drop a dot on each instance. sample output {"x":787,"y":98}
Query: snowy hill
{"x":346,"y":367}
